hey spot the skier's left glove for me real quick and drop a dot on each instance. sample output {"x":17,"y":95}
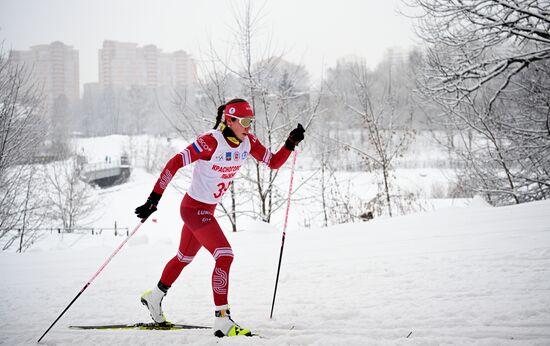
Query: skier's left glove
{"x":295,"y":137}
{"x":144,"y":211}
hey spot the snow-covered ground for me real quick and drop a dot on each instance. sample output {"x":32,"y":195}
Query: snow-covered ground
{"x":460,"y":272}
{"x":461,"y":275}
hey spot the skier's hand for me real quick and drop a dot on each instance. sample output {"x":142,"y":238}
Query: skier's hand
{"x":144,"y":211}
{"x":295,"y":137}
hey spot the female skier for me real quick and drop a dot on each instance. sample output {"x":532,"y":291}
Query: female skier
{"x":219,"y":154}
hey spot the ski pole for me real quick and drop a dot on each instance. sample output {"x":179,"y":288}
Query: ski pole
{"x":93,"y":277}
{"x":284,"y":232}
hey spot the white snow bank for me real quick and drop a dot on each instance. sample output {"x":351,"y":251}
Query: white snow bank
{"x":459,"y":276}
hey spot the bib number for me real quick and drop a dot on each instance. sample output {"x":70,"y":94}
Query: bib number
{"x":222,"y":188}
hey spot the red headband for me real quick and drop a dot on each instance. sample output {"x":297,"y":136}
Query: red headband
{"x":239,"y":109}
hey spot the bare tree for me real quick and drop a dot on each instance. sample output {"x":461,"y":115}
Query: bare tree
{"x":69,"y":198}
{"x":339,"y":202}
{"x":384,"y":137}
{"x":480,"y":64}
{"x":273,"y":87}
{"x":33,"y":208}
{"x":21,"y":133}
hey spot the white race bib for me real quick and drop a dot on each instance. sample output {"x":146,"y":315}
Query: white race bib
{"x":212,"y":178}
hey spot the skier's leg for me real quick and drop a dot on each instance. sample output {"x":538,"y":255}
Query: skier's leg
{"x":216,"y":243}
{"x":189,"y":246}
{"x":207,"y":231}
{"x":213,"y":239}
{"x":187,"y":250}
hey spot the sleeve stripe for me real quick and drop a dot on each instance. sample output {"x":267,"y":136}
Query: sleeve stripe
{"x":267,"y":156}
{"x":186,"y":157}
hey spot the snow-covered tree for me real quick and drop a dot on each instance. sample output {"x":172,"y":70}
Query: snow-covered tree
{"x":22,"y":129}
{"x":487,"y":69}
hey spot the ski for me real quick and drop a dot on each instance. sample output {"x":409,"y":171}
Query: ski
{"x":143,"y":326}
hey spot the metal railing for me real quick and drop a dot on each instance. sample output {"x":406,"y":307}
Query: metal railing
{"x":122,"y":231}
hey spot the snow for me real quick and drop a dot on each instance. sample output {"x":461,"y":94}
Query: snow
{"x":470,"y":275}
{"x":463,"y":273}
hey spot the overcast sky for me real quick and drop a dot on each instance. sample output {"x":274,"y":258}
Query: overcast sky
{"x":311,"y":32}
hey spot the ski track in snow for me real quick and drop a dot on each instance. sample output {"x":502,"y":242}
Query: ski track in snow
{"x":474,"y":275}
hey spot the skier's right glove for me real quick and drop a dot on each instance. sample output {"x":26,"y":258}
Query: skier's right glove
{"x":144,"y":211}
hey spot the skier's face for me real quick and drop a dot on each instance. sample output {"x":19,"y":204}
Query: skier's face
{"x":239,"y":130}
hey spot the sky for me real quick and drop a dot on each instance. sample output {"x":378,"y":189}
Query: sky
{"x":308,"y":32}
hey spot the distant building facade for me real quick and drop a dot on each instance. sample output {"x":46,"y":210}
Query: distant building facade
{"x":54,"y":67}
{"x":125,"y":64}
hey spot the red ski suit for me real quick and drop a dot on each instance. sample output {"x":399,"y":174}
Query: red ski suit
{"x":200,"y":226}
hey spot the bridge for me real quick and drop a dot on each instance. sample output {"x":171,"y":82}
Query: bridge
{"x":105,"y":174}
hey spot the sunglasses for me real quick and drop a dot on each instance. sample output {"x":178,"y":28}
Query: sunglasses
{"x":245,"y":122}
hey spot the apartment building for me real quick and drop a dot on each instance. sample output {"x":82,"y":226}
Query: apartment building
{"x":125,"y":64}
{"x":54,"y":67}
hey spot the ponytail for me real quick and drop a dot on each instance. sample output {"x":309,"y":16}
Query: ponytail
{"x":219,"y":117}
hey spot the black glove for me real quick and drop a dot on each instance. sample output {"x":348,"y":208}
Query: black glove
{"x":144,"y":211}
{"x":295,"y":137}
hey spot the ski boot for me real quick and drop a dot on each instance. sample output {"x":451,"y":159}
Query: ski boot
{"x":225,"y":326}
{"x":152,"y":299}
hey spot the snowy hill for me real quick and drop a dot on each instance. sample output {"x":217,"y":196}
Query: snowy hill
{"x":474,"y":275}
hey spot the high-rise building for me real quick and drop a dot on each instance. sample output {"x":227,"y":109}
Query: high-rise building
{"x":150,"y":55}
{"x":178,"y":70}
{"x":124,"y":64}
{"x":53,"y":67}
{"x":118,"y":65}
